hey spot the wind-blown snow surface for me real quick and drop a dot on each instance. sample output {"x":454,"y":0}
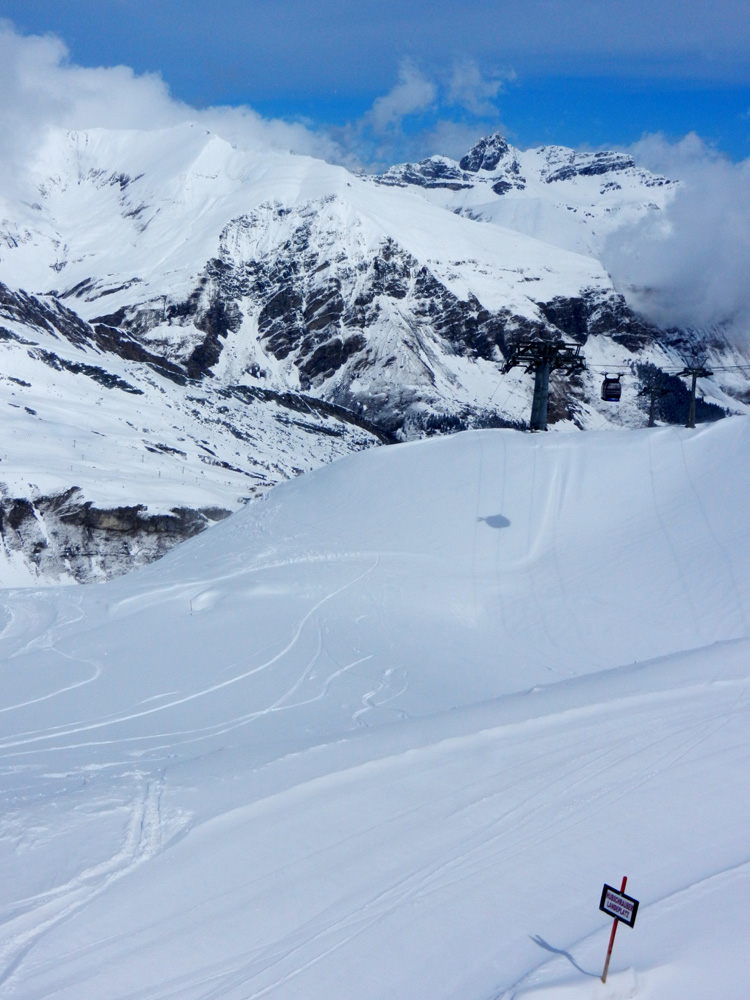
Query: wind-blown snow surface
{"x":387,"y":732}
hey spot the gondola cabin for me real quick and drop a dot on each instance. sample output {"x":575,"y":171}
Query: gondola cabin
{"x":611,"y":388}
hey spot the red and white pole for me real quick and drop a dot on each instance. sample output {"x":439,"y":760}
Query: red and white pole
{"x":615,"y":922}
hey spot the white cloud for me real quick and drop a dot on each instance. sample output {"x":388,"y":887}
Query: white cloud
{"x":688,"y":266}
{"x":472,"y":90}
{"x":412,"y":94}
{"x":41,"y":88}
{"x":451,"y":138}
{"x":684,"y":266}
{"x":421,"y":116}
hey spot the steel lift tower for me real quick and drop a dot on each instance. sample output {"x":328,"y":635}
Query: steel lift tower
{"x":654,"y":392}
{"x":695,"y":372}
{"x":544,"y":357}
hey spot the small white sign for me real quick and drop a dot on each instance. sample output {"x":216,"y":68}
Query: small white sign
{"x":618,"y":905}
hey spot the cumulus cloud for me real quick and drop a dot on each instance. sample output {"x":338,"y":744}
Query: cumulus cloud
{"x":413,"y":93}
{"x":423,"y":115}
{"x":471,"y":89}
{"x":687,"y":266}
{"x":420,"y":115}
{"x":41,"y":88}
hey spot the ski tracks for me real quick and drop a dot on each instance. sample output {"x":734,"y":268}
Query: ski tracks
{"x":57,"y":739}
{"x":32,"y":918}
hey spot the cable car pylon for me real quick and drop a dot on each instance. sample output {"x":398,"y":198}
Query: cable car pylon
{"x":696,"y":372}
{"x":542,"y":357}
{"x":654,"y":392}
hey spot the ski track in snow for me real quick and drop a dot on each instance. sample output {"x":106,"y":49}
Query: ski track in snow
{"x":31,"y":919}
{"x":402,"y":801}
{"x":26,"y":739}
{"x":465,"y":862}
{"x":491,"y":846}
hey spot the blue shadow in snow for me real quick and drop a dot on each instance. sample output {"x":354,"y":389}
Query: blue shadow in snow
{"x":559,"y":951}
{"x":495,"y":521}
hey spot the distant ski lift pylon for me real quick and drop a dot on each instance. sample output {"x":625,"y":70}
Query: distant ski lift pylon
{"x":611,"y":388}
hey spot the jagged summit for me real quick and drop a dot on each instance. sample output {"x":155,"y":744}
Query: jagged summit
{"x":494,"y":156}
{"x":570,"y":199}
{"x":485,"y":154}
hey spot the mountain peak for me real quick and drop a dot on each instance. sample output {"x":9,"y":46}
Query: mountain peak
{"x":485,"y":154}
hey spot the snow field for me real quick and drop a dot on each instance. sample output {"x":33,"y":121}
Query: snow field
{"x":389,"y":730}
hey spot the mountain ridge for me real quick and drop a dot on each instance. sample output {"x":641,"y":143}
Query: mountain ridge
{"x":177,"y":267}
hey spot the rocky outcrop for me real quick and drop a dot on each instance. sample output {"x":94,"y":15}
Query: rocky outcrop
{"x":65,"y":537}
{"x":338,"y":317}
{"x":49,"y":315}
{"x":486,"y":154}
{"x":208,"y":437}
{"x":435,"y":172}
{"x":494,"y":167}
{"x":563,"y":167}
{"x":491,"y":161}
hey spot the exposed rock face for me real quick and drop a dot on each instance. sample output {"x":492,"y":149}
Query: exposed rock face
{"x":491,"y":155}
{"x":234,"y":441}
{"x":65,"y":537}
{"x":492,"y":165}
{"x":339,"y":312}
{"x":570,"y":164}
{"x":436,"y":172}
{"x":486,"y":154}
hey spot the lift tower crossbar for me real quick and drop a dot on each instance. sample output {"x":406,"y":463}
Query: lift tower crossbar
{"x":544,"y":357}
{"x":696,"y":372}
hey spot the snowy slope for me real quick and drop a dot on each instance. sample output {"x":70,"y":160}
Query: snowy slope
{"x":169,"y":194}
{"x":388,"y":731}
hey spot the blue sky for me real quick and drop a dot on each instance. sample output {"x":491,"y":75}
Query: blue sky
{"x":368,"y":83}
{"x":396,"y":79}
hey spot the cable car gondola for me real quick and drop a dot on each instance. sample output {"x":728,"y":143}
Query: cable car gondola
{"x":611,"y":388}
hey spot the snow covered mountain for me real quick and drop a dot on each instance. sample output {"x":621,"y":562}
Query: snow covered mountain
{"x":111,"y":454}
{"x":556,"y":194}
{"x":387,"y":732}
{"x":184,"y":296}
{"x":289,"y":273}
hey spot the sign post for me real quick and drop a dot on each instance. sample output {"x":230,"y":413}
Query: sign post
{"x":622,"y":908}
